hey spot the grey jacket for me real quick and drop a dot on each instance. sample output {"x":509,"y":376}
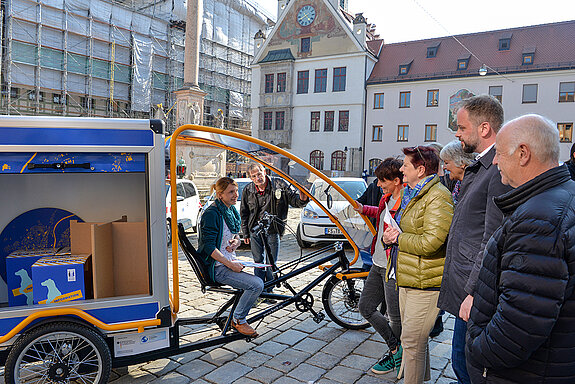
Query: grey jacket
{"x":475,"y":219}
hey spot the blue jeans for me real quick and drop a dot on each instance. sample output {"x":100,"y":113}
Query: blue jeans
{"x":251,"y":285}
{"x":258,"y":251}
{"x":458,"y":352}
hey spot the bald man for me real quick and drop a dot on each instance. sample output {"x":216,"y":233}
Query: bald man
{"x":522,"y":323}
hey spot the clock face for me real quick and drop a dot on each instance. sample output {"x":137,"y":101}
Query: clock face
{"x":306,"y":15}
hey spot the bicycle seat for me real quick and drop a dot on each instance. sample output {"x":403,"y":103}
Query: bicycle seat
{"x":196,"y":261}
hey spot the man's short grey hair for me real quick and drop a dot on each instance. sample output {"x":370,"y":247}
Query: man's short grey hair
{"x":538,"y":133}
{"x":453,"y":151}
{"x":253,"y":166}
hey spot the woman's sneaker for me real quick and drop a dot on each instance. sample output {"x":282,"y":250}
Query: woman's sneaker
{"x":389,"y":362}
{"x":397,"y":360}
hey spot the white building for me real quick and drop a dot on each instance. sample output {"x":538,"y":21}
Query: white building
{"x":308,"y":83}
{"x":412,"y":89}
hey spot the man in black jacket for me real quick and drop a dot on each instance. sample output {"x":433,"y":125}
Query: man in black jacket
{"x":522,"y":324}
{"x":476,"y":217}
{"x":271,"y":195}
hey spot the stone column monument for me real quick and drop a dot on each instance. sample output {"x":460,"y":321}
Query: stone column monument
{"x":204,"y":163}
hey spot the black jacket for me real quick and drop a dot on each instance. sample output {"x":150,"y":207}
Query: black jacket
{"x":474,"y":220}
{"x":371,"y":196}
{"x":522,"y":324}
{"x":278,"y":197}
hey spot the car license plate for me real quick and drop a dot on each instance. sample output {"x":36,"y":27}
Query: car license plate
{"x":332,"y":231}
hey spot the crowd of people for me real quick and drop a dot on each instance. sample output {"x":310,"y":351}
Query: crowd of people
{"x":491,"y":240}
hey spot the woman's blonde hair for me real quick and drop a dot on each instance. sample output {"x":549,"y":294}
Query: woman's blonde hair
{"x":222,"y":184}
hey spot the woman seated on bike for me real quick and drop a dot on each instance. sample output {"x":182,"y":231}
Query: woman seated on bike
{"x":380,"y":288}
{"x":418,"y":254}
{"x":218,"y":241}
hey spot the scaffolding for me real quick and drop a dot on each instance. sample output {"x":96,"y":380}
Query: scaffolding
{"x":123,"y":58}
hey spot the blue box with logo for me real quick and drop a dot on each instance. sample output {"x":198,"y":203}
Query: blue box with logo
{"x":19,"y":275}
{"x":62,"y":278}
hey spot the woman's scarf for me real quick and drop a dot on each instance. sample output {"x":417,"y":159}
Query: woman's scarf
{"x":231,"y":216}
{"x":455,"y":193}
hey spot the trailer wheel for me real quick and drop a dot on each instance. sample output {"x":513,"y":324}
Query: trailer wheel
{"x":61,"y":352}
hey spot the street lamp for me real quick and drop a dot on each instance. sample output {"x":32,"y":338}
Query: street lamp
{"x":483,"y":70}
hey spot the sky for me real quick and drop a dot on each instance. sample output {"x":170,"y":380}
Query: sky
{"x":407,"y":20}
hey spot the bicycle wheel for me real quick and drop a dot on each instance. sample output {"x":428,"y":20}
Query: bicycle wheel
{"x":60,"y":352}
{"x":340,"y":300}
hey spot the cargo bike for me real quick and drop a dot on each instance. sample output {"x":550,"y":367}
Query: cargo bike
{"x":85,"y":278}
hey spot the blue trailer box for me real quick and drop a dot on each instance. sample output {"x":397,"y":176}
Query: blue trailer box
{"x":19,"y":274}
{"x":61,"y":278}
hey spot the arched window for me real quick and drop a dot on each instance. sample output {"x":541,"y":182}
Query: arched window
{"x":373,"y":163}
{"x":316,"y":159}
{"x":338,"y":161}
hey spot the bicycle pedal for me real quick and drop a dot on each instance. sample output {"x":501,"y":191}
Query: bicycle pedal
{"x":318,"y":318}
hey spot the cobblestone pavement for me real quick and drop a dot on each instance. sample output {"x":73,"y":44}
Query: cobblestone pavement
{"x":291,"y":348}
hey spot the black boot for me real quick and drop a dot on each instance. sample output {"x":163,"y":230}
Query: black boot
{"x":437,"y":328}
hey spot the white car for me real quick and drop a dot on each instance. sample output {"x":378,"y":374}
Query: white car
{"x":315,"y":225}
{"x":188,"y":205}
{"x":242,"y":182}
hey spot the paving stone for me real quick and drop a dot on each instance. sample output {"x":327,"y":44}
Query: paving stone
{"x":370,"y":348}
{"x":358,"y":362}
{"x":290,"y":337}
{"x":187,"y":357}
{"x":266,"y":336}
{"x":440,"y":349}
{"x":228,"y":373}
{"x":343,"y":374}
{"x":195,"y":369}
{"x":439,"y":363}
{"x":286,"y":380}
{"x":245,"y":380}
{"x":341,"y":346}
{"x":323,"y":360}
{"x":375,"y":380}
{"x":172,"y":378}
{"x":265,"y":374}
{"x":310,"y":345}
{"x":160,"y":367}
{"x":141,"y":377}
{"x":287,"y":360}
{"x":219,"y":356}
{"x":308,"y":325}
{"x":326,"y":334}
{"x":253,"y":358}
{"x":239,"y":346}
{"x":270,"y":348}
{"x":448,"y":372}
{"x":307,"y":373}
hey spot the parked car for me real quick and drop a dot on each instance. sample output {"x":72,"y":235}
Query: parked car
{"x":315,"y":225}
{"x":188,"y":205}
{"x":242,"y":182}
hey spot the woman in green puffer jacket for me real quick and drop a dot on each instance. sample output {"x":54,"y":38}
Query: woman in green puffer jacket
{"x":418,"y":255}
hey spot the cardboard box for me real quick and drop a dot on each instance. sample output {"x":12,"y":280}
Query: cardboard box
{"x":19,"y":275}
{"x":61,"y":278}
{"x":119,"y":256}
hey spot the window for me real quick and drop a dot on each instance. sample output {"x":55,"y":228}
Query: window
{"x":527,"y":59}
{"x":377,"y":134}
{"x":268,"y":121}
{"x":504,"y":44}
{"x":402,"y":132}
{"x":497,"y":92}
{"x":316,"y":159}
{"x":302,"y":81}
{"x":373,"y":163}
{"x":269,"y":83}
{"x":529,"y":93}
{"x":328,"y":121}
{"x":343,"y":121}
{"x":404,"y":99}
{"x":190,"y":190}
{"x":338,"y":161}
{"x":281,"y":82}
{"x":320,"y":80}
{"x":378,"y":101}
{"x":404,"y":69}
{"x":314,"y":125}
{"x":305,"y":45}
{"x":431,"y":132}
{"x":566,"y":92}
{"x":432,"y":51}
{"x":58,"y":98}
{"x":280,"y":115}
{"x":339,"y":79}
{"x":462,"y":64}
{"x":433,"y":97}
{"x":565,"y":132}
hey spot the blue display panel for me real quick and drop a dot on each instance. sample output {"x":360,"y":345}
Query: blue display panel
{"x":52,"y":162}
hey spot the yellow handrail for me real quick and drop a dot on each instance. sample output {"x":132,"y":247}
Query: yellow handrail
{"x":80,"y":313}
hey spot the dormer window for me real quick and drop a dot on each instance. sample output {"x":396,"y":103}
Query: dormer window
{"x":463,"y":62}
{"x":432,"y":50}
{"x":528,"y":55}
{"x":404,"y":68}
{"x":505,"y":42}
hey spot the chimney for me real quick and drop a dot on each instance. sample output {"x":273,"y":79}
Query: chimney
{"x":259,"y":39}
{"x":360,"y":28}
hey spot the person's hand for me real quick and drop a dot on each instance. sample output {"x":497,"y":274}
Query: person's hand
{"x":465,"y":308}
{"x":246,"y":240}
{"x":359,"y":207}
{"x":233,"y":244}
{"x":303,"y":196}
{"x":235,"y":266}
{"x":390,"y":235}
